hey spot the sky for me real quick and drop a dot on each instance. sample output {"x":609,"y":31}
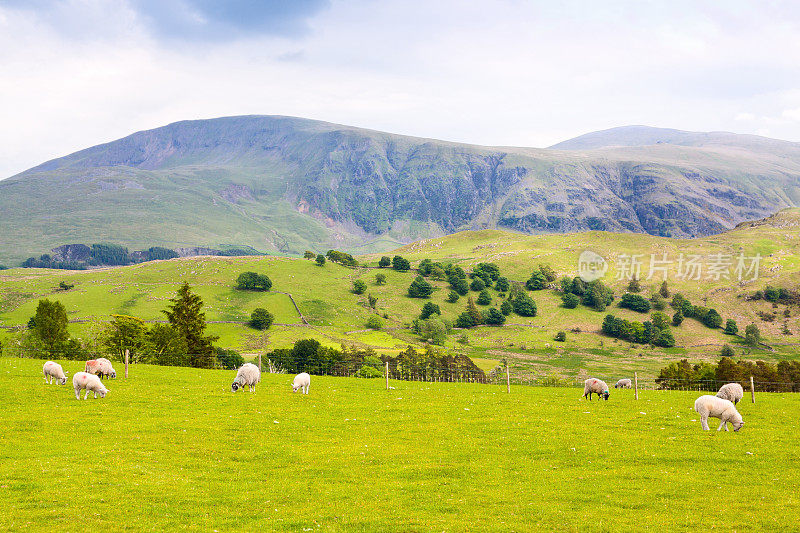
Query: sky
{"x":76,"y":73}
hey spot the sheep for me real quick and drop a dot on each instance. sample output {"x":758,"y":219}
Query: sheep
{"x":249,"y":375}
{"x":593,"y":385}
{"x":100,"y":367}
{"x":90,"y":382}
{"x":301,"y":381}
{"x":623,"y":384}
{"x":732,"y":392}
{"x":714,"y":407}
{"x":53,"y":370}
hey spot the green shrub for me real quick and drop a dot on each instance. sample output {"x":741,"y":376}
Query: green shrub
{"x":506,"y":308}
{"x":368,"y":372}
{"x":420,"y":288}
{"x":380,"y":278}
{"x":536,"y":282}
{"x":359,"y":287}
{"x":494,"y":317}
{"x":484,"y":298}
{"x":561,"y":336}
{"x":320,"y":260}
{"x":429,"y":309}
{"x":374,"y":322}
{"x":634,"y":302}
{"x":477,"y":284}
{"x":401,"y":264}
{"x":570,"y":301}
{"x":252,"y":281}
{"x":384,"y":262}
{"x":731,"y":328}
{"x":261,"y":319}
{"x":452,"y":296}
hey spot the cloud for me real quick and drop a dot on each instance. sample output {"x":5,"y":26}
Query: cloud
{"x":792,"y":114}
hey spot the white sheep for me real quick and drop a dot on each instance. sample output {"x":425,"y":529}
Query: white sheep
{"x":106,"y":368}
{"x":623,"y":384}
{"x":732,"y":392}
{"x":53,"y":370}
{"x":593,"y":385}
{"x":714,"y":407}
{"x":249,"y":375}
{"x":301,"y":381}
{"x":90,"y":382}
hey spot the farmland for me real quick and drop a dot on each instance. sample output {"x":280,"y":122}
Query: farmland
{"x":173,"y":448}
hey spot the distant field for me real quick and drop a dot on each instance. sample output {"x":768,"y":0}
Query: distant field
{"x":173,"y":448}
{"x":338,"y":316}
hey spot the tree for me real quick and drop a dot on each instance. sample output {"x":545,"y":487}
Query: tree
{"x":569,"y":300}
{"x":309,"y":254}
{"x":726,"y":351}
{"x":677,"y":318}
{"x":664,"y":290}
{"x":524,"y":305}
{"x":561,"y":336}
{"x":477,"y":284}
{"x":578,"y":286}
{"x":502,"y":285}
{"x":452,"y":296}
{"x":473,"y":311}
{"x":420,"y":288}
{"x":460,"y":285}
{"x":429,"y":309}
{"x":165,"y":346}
{"x":506,"y":308}
{"x":611,"y":326}
{"x":465,"y":321}
{"x":400,"y":264}
{"x":320,"y":260}
{"x":64,"y":286}
{"x":536,"y":282}
{"x":252,"y":281}
{"x":384,"y":262}
{"x":752,"y":335}
{"x":595,"y":295}
{"x":374,"y":322}
{"x":634,"y":285}
{"x":125,"y":333}
{"x":658,"y":302}
{"x":438,"y":273}
{"x":566,"y":284}
{"x":634,"y":302}
{"x":548,"y":272}
{"x":50,"y":325}
{"x":484,"y":298}
{"x":660,"y":320}
{"x":664,"y":338}
{"x":185,"y":315}
{"x":712,"y":319}
{"x":731,"y":328}
{"x":433,"y":330}
{"x":380,"y":278}
{"x":229,"y":359}
{"x":359,"y":287}
{"x":373,"y":300}
{"x":260,"y":319}
{"x":494,"y":317}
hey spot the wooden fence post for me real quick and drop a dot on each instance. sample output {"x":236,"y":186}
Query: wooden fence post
{"x":127,"y":357}
{"x":260,"y":370}
{"x":387,"y":375}
{"x":752,"y":390}
{"x":508,"y":379}
{"x":636,"y":385}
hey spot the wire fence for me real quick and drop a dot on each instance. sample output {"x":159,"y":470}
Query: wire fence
{"x":455,"y":370}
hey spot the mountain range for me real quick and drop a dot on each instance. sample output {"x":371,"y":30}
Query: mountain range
{"x":282,"y":185}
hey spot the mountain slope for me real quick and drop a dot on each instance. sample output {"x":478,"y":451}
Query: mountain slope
{"x":283,"y":185}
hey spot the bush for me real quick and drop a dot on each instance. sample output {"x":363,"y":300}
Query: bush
{"x":524,"y":305}
{"x":368,"y":372}
{"x":309,"y":255}
{"x":452,"y":296}
{"x":752,"y":335}
{"x":634,"y":285}
{"x":477,"y":284}
{"x":64,"y":286}
{"x":460,"y":285}
{"x":420,"y":288}
{"x":570,"y":301}
{"x":677,"y":318}
{"x":374,"y":322}
{"x":359,"y":287}
{"x":730,"y":327}
{"x":658,"y":302}
{"x":465,"y":320}
{"x":548,"y":272}
{"x":320,"y":260}
{"x":433,"y":330}
{"x":380,"y":278}
{"x":229,"y":359}
{"x":429,"y":309}
{"x":561,"y":336}
{"x":595,"y":294}
{"x":401,"y":264}
{"x":260,"y":319}
{"x":712,"y":319}
{"x":506,"y":308}
{"x":536,"y":282}
{"x":252,"y":281}
{"x":494,"y":317}
{"x":502,"y":285}
{"x":634,"y":302}
{"x":726,"y":351}
{"x":484,"y":298}
{"x":663,"y":338}
{"x":384,"y":262}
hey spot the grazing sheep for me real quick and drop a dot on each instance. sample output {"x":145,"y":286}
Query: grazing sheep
{"x":90,"y":382}
{"x":249,"y":375}
{"x":714,"y":407}
{"x":623,"y":384}
{"x":53,"y":370}
{"x":301,"y":381}
{"x":593,"y":385}
{"x":732,"y":392}
{"x":100,"y":367}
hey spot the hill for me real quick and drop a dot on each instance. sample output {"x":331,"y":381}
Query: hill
{"x":282,"y":185}
{"x":168,"y":442}
{"x":337,"y":316}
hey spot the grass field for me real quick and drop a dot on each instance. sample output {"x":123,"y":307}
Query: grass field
{"x":174,"y":449}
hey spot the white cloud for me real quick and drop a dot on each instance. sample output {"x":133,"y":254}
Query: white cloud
{"x":792,"y":114}
{"x":503,"y":73}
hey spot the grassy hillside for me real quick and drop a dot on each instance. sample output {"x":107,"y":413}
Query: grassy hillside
{"x":337,"y":316}
{"x":283,"y":185}
{"x":173,"y":448}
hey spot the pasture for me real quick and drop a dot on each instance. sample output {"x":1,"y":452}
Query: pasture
{"x":174,"y":449}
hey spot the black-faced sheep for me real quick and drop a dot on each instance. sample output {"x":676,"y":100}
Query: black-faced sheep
{"x":711,"y":406}
{"x":249,"y":375}
{"x":593,"y":385}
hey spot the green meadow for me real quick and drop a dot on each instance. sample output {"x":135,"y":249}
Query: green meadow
{"x":173,"y":449}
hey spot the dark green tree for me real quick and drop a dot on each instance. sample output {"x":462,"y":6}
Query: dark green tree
{"x":473,"y":311}
{"x":460,"y":285}
{"x":664,"y":290}
{"x":320,"y":260}
{"x":420,"y":288}
{"x":524,"y":304}
{"x":477,"y":284}
{"x":536,"y":282}
{"x":260,"y":319}
{"x":634,"y":285}
{"x":677,"y":318}
{"x":484,"y":298}
{"x":400,"y":264}
{"x":252,"y":281}
{"x":548,"y":272}
{"x":380,"y":278}
{"x":561,"y":336}
{"x":712,"y":319}
{"x":494,"y":317}
{"x":596,"y":295}
{"x":569,"y":300}
{"x":50,"y":325}
{"x":752,"y":335}
{"x":726,"y":351}
{"x":429,"y":309}
{"x":359,"y":287}
{"x":384,"y":262}
{"x":730,"y":327}
{"x":309,"y":254}
{"x":506,"y":308}
{"x":502,"y":285}
{"x":185,"y":316}
{"x":452,"y":296}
